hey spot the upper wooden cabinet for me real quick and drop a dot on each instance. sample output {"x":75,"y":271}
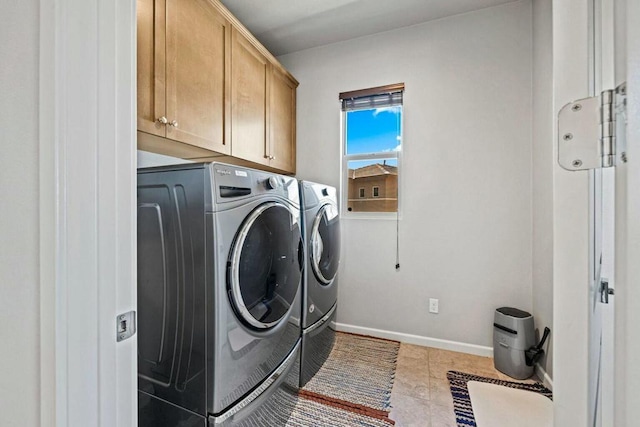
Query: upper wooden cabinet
{"x":263,"y":108}
{"x":282,"y":121}
{"x":207,"y":88}
{"x":249,"y":85}
{"x":183,"y":64}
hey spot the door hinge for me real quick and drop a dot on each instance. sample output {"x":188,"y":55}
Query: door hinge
{"x":125,"y":325}
{"x":591,"y":131}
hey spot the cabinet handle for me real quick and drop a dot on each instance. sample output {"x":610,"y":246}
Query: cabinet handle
{"x":164,"y":121}
{"x":273,"y":157}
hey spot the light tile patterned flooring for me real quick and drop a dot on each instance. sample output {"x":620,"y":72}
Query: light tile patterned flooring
{"x":420,"y":396}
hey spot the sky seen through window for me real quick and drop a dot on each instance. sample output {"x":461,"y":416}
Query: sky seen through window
{"x":373,"y":131}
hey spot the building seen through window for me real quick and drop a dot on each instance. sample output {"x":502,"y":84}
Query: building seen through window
{"x":378,"y":185}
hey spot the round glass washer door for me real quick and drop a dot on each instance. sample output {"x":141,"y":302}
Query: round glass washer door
{"x":265,"y":265}
{"x":325,"y":244}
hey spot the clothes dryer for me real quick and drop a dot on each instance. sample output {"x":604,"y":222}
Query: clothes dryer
{"x":321,"y":225}
{"x":220,"y":261}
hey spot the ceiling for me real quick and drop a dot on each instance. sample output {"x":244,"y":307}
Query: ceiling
{"x":286,"y":26}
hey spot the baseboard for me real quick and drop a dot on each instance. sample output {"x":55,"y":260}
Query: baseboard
{"x":546,"y":379}
{"x":461,"y":347}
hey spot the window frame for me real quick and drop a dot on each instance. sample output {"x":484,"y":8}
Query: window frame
{"x":361,"y":192}
{"x":373,"y":191}
{"x":344,"y":171}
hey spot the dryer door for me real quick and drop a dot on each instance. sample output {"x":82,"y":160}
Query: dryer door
{"x":325,"y":244}
{"x":265,"y":266}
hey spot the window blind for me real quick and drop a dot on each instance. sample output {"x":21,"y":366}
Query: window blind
{"x":377,"y":97}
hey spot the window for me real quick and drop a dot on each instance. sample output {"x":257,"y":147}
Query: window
{"x":371,"y":146}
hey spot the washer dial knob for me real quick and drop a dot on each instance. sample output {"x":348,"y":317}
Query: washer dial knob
{"x":272,"y":183}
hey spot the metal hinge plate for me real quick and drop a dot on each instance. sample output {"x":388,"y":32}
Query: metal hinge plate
{"x":125,"y":325}
{"x":591,"y":131}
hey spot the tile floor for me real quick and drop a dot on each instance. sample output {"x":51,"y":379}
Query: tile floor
{"x":420,"y":396}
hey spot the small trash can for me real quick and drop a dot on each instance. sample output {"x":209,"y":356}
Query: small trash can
{"x":513,"y":335}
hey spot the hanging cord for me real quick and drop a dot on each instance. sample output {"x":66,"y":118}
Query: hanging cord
{"x":398,"y":116}
{"x":397,"y":240}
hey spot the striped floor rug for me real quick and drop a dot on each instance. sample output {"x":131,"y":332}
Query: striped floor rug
{"x":353,"y":387}
{"x":462,"y":402}
{"x":319,"y":413}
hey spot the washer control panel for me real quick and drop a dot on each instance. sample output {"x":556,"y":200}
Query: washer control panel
{"x":272,"y":183}
{"x":235,"y":183}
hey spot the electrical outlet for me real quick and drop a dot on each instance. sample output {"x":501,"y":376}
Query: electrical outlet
{"x":433,"y":305}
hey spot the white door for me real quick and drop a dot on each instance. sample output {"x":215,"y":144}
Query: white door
{"x":595,"y":305}
{"x":601,"y":307}
{"x":602,"y":28}
{"x":603,"y":410}
{"x":627,"y":339}
{"x":602,"y":208}
{"x":614,"y":371}
{"x":607,"y":73}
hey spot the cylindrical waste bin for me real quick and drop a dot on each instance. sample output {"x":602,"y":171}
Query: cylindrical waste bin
{"x":513,"y":334}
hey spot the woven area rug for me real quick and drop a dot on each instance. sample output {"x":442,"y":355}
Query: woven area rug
{"x":312,"y":413}
{"x":461,"y":399}
{"x":353,"y":387}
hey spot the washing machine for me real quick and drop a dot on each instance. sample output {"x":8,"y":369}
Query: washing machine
{"x":321,"y":233}
{"x":220,"y":260}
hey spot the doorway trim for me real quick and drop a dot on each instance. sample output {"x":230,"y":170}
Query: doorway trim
{"x":87,"y":163}
{"x":571,"y":223}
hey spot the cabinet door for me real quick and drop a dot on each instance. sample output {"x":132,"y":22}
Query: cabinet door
{"x":282,"y":121}
{"x":197,"y":49}
{"x":249,"y":92}
{"x":151,"y":71}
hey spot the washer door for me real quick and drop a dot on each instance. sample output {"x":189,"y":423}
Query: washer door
{"x":265,"y":265}
{"x":325,"y":244}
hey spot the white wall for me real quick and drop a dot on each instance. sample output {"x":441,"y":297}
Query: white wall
{"x":147,"y":159}
{"x":465,"y":233}
{"x":19,"y":263}
{"x":542,"y":174}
